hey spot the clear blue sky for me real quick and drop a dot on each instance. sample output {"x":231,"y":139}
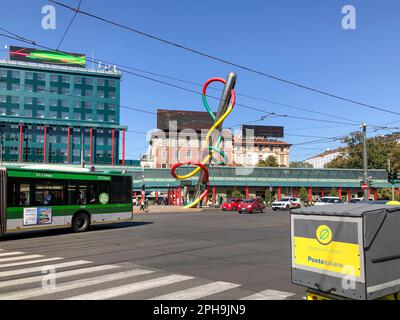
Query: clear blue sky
{"x":302,"y":41}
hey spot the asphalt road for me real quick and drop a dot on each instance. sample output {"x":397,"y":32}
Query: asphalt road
{"x":200,"y":255}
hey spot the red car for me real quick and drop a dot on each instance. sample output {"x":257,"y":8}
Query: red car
{"x":251,"y":205}
{"x":231,"y":204}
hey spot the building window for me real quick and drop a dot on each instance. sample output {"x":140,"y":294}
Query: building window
{"x":53,"y":114}
{"x":65,"y":79}
{"x":111,"y":118}
{"x":89,"y":81}
{"x":15,"y":99}
{"x":39,"y":113}
{"x":100,"y":117}
{"x":64,"y":103}
{"x":3,"y":99}
{"x":40,"y":102}
{"x":78,"y":80}
{"x":15,"y":86}
{"x":15,"y":74}
{"x":101,"y":82}
{"x":3,"y":85}
{"x":41,"y":76}
{"x":53,"y":103}
{"x":29,"y":87}
{"x":100,"y":106}
{"x":54,"y":78}
{"x":100,"y":93}
{"x":3,"y":73}
{"x":88,"y":93}
{"x":65,"y":91}
{"x":64,"y":115}
{"x":28,"y":113}
{"x":28,"y":75}
{"x":41,"y":89}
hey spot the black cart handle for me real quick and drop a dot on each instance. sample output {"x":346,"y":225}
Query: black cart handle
{"x":324,"y":291}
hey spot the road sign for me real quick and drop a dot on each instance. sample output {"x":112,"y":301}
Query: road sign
{"x":364,"y":186}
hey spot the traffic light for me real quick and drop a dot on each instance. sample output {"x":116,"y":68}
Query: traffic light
{"x":390,"y":177}
{"x":395,"y":180}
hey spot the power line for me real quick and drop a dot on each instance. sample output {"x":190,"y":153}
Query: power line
{"x":70,"y":24}
{"x":249,"y":69}
{"x":238,"y":94}
{"x":20,"y":38}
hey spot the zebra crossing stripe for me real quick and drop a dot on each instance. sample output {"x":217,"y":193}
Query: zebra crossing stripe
{"x":39,"y":269}
{"x":15,"y":253}
{"x":16,"y":264}
{"x":32,"y":256}
{"x":131,"y":288}
{"x":198,"y":292}
{"x":269,"y":295}
{"x":59,"y":275}
{"x":81,"y":283}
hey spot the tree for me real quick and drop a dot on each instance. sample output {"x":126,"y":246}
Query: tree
{"x":303,"y":194}
{"x":269,"y":162}
{"x":236,"y":194}
{"x":378,"y":151}
{"x":334,"y":192}
{"x":268,"y":196}
{"x":300,"y":164}
{"x":385,"y":194}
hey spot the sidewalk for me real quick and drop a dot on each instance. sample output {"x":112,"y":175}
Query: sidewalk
{"x":170,"y":209}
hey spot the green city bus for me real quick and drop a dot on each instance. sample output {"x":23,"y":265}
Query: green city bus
{"x":43,"y":197}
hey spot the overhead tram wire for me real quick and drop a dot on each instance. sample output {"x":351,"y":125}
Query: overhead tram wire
{"x":18,"y":38}
{"x":212,"y":57}
{"x":70,"y":24}
{"x":22,"y":39}
{"x":220,"y":90}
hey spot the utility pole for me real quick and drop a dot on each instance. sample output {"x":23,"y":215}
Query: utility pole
{"x":364,"y":139}
{"x":389,"y":172}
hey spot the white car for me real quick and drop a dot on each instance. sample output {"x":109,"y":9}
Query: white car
{"x":328,"y":200}
{"x":286,"y":204}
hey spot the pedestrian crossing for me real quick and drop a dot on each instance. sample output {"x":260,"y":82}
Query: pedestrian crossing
{"x":26,"y":276}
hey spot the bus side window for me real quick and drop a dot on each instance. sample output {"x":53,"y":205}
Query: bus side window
{"x":18,"y":193}
{"x":81,"y":193}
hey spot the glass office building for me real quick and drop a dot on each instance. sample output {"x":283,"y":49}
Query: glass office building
{"x":56,"y":114}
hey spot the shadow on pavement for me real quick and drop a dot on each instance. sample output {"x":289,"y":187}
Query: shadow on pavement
{"x":63,"y":231}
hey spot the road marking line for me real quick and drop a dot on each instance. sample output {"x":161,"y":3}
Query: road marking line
{"x":58,"y":275}
{"x":131,"y":288}
{"x":198,"y":292}
{"x":269,"y":295}
{"x":16,"y":264}
{"x":11,"y":253}
{"x":33,"y":293}
{"x":39,"y":269}
{"x":32,"y":256}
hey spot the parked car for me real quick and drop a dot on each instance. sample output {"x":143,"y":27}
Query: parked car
{"x":328,"y":200}
{"x":251,"y":205}
{"x":286,"y":204}
{"x":231,"y":204}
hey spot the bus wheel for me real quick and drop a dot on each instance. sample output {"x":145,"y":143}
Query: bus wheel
{"x":80,"y":222}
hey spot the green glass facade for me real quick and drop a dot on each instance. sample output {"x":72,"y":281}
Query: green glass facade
{"x":46,"y":110}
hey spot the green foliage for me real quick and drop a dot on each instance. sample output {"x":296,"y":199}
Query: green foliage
{"x":334,"y":192}
{"x":303,"y":194}
{"x":385,"y":194}
{"x":269,"y":162}
{"x":300,"y":164}
{"x":378,"y":151}
{"x":237,"y":194}
{"x":268,"y":196}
